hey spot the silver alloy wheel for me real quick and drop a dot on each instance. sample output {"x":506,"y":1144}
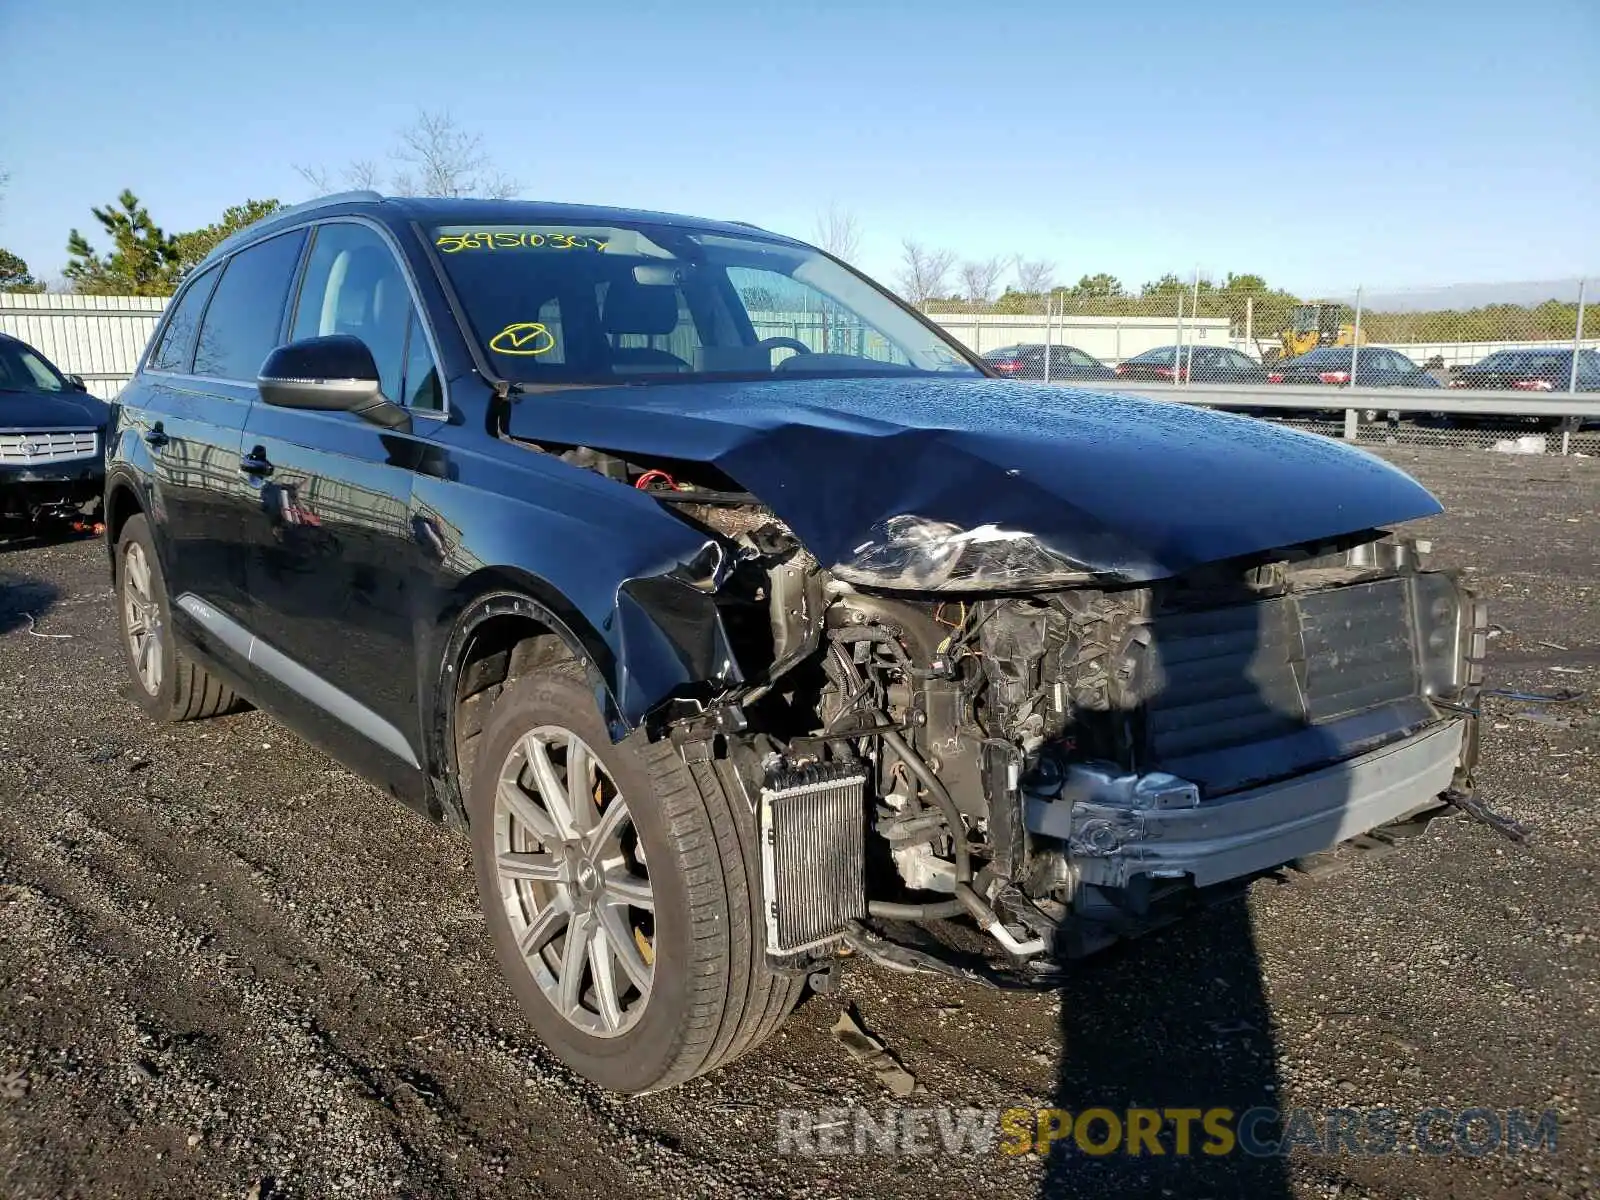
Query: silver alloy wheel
{"x":141,"y":618}
{"x":573,"y":881}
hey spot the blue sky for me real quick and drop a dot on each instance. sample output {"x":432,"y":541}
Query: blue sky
{"x":1322,"y":145}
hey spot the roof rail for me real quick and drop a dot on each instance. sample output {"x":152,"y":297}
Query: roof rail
{"x":294,"y":210}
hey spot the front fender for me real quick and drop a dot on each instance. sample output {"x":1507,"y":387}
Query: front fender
{"x":629,"y":586}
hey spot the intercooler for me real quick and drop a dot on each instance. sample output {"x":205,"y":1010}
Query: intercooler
{"x":1237,"y":694}
{"x":813,"y":833}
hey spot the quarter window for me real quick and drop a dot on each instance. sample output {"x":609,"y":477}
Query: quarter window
{"x":245,"y":315}
{"x":177,"y":340}
{"x":422,"y":376}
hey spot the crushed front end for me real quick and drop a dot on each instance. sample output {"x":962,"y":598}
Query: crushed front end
{"x":967,"y":724}
{"x":1082,"y":763}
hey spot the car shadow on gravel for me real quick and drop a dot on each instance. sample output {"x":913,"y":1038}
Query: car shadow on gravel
{"x":24,"y":601}
{"x":1173,"y":1030}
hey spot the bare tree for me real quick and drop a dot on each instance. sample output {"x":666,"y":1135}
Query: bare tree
{"x":924,"y":273}
{"x":439,"y":158}
{"x":979,"y":278}
{"x":434,"y":157}
{"x":838,"y":232}
{"x":1035,"y":276}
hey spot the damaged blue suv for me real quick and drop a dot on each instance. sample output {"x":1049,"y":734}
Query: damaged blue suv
{"x":744,"y":622}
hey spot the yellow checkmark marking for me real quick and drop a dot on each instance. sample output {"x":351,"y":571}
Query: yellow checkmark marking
{"x":523,"y":337}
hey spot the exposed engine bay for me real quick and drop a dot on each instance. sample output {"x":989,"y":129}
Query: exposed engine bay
{"x":1066,"y":765}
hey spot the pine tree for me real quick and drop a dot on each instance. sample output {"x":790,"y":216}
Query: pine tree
{"x":15,"y":276}
{"x":144,"y":260}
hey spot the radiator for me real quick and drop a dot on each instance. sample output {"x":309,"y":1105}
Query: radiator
{"x":813,"y":831}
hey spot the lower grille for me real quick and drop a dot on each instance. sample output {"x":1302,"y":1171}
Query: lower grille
{"x":37,"y":449}
{"x":813,"y":830}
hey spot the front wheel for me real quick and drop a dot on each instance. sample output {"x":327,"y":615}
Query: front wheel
{"x":621,"y":888}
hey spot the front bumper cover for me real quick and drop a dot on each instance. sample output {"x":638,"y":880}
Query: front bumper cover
{"x":1110,"y":842}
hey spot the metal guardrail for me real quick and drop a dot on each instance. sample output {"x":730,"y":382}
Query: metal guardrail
{"x":1555,"y":405}
{"x":1486,"y":420}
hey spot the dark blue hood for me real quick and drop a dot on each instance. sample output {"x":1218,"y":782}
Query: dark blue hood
{"x":27,"y":412}
{"x":1131,"y":488}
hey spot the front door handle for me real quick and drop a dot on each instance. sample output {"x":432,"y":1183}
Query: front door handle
{"x":156,"y":437}
{"x":255,"y":463}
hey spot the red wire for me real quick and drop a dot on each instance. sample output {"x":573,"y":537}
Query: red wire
{"x":650,"y":477}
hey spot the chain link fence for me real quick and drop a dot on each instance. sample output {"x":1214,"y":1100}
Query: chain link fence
{"x":1444,"y":330}
{"x":1534,"y":338}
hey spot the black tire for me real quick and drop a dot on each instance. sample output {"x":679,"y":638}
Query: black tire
{"x":712,"y":998}
{"x":185,"y":691}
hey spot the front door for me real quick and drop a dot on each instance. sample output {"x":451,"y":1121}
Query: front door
{"x":333,"y":556}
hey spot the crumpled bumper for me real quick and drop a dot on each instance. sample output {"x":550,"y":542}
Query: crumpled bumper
{"x":1255,"y":830}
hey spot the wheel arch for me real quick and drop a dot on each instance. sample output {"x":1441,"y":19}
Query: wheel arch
{"x":502,"y":622}
{"x":122,"y":501}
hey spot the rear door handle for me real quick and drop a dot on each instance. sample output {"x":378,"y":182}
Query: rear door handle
{"x":255,"y":463}
{"x":156,"y":437}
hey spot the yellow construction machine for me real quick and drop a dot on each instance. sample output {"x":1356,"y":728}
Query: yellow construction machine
{"x":1320,"y":323}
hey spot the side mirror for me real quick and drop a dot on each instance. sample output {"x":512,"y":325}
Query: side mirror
{"x":76,"y":383}
{"x":329,"y":374}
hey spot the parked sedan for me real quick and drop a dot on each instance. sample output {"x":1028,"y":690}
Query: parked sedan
{"x":1028,"y":362}
{"x":1201,"y":364}
{"x":1532,"y":371}
{"x":1373,"y":367}
{"x":52,"y":433}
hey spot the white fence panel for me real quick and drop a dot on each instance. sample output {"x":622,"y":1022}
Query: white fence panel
{"x":97,"y":337}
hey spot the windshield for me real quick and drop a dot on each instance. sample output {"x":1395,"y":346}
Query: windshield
{"x":1306,"y":318}
{"x":22,"y":370}
{"x":648,"y":303}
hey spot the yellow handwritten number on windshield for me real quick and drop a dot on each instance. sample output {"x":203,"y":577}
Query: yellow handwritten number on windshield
{"x":500,"y":239}
{"x":524,"y":337}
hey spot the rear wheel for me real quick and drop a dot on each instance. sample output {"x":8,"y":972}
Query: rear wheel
{"x":168,"y":685}
{"x":620,"y":887}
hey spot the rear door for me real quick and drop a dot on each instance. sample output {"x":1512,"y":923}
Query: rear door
{"x":335,"y":552}
{"x":191,"y":405}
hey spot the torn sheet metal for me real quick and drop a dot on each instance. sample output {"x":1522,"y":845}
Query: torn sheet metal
{"x":1133,"y":489}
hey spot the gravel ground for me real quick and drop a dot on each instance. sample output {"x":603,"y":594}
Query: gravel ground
{"x":230,"y":968}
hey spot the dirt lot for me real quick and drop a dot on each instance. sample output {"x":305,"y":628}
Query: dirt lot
{"x":229,"y":968}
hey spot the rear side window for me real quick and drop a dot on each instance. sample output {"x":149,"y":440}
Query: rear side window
{"x":177,"y":340}
{"x":245,"y":316}
{"x":1162,"y":354}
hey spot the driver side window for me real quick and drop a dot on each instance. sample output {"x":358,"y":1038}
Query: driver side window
{"x":781,"y":307}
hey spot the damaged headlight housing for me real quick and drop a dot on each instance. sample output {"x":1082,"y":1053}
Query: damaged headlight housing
{"x":1440,"y":613}
{"x":912,"y":553}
